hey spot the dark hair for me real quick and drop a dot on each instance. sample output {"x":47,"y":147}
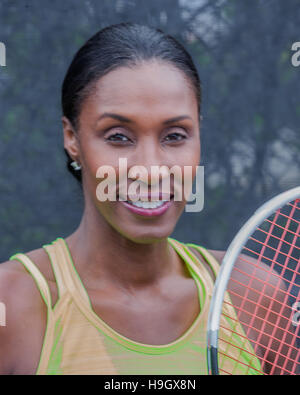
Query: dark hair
{"x":124,"y":44}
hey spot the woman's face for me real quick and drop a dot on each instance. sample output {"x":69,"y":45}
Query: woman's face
{"x":147,"y":114}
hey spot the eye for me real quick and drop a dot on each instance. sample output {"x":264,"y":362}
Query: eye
{"x":118,"y":138}
{"x":175,"y":137}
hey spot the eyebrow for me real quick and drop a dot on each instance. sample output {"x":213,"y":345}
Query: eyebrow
{"x":121,"y":118}
{"x":114,"y":116}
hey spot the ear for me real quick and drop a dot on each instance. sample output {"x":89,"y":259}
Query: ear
{"x":71,"y":143}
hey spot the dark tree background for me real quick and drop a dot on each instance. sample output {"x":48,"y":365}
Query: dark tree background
{"x":251,"y":109}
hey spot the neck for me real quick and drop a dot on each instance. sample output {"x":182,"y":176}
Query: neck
{"x":102,"y":253}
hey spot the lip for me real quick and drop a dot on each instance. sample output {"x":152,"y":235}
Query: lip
{"x":152,"y":212}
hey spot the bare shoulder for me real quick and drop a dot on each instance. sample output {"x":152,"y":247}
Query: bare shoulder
{"x":263,"y":278}
{"x":21,"y":306}
{"x":15,"y":279}
{"x":247,"y":267}
{"x":17,"y":287}
{"x":218,"y":255}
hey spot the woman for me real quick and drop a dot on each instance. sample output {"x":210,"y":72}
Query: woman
{"x":117,"y":296}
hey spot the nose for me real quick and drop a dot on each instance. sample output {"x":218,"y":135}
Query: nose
{"x":149,"y":165}
{"x":150,"y":175}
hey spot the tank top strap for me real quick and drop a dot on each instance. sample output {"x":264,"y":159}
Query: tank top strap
{"x":208,"y":267}
{"x":37,"y":276}
{"x":67,"y":278}
{"x":208,"y":257}
{"x":184,"y":252}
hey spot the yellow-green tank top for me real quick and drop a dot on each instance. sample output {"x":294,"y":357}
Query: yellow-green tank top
{"x":78,"y":342}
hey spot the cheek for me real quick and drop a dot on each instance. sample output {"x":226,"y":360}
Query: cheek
{"x":196,"y":156}
{"x":96,"y":156}
{"x":189,"y":163}
{"x":97,"y":165}
{"x":189,"y":157}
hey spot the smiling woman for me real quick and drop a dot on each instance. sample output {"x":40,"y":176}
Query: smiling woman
{"x":119,"y":295}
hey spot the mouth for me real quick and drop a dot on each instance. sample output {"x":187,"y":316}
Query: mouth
{"x":148,"y":207}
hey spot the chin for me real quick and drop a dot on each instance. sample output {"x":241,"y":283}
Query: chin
{"x":142,"y":229}
{"x":145,"y":235}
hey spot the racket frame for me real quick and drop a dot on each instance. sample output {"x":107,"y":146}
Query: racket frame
{"x":227,"y":265}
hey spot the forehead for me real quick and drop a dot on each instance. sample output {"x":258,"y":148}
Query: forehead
{"x":146,"y":88}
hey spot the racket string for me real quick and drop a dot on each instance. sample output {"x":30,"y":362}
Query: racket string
{"x":267,"y":288}
{"x":285,"y":302}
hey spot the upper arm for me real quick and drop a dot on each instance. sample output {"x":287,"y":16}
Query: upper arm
{"x":23,"y":306}
{"x":7,"y":319}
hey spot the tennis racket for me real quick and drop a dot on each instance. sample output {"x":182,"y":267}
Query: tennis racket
{"x":254,"y":317}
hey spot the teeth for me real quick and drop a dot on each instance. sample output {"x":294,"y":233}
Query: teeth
{"x":148,"y":205}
